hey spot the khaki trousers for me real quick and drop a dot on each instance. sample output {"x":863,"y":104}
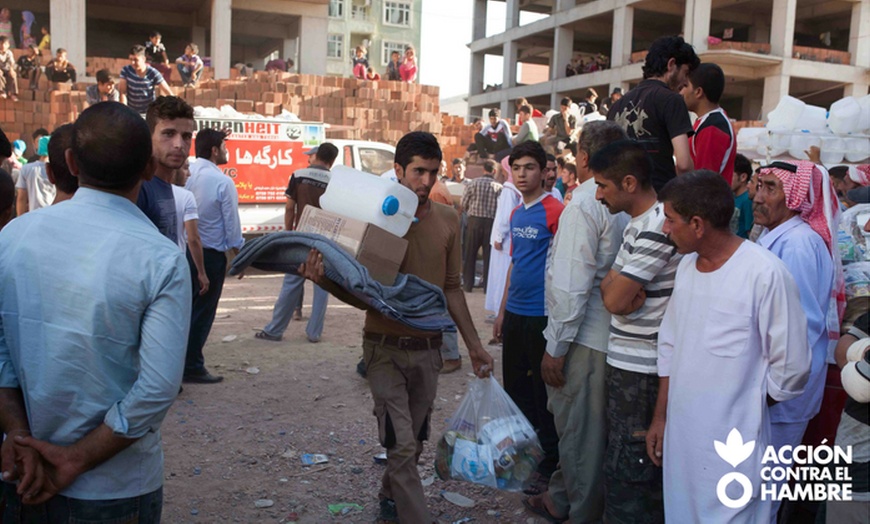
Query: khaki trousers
{"x":9,"y":82}
{"x":404,"y":384}
{"x":580,"y":412}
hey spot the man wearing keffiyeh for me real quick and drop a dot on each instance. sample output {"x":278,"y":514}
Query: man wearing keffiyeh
{"x":797,"y":205}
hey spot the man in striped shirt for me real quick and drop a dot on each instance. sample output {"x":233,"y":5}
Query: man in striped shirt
{"x":139,"y":81}
{"x":636,"y":293}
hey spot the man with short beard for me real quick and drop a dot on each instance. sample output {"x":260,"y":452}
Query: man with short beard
{"x":635,"y":291}
{"x":170,"y":120}
{"x":403,"y":363}
{"x":654,"y":113}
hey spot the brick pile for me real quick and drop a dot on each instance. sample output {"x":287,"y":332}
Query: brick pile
{"x":114,"y":65}
{"x":380,"y":111}
{"x":455,"y":137}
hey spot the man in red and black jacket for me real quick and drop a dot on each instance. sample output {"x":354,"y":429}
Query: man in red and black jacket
{"x":713,"y":143}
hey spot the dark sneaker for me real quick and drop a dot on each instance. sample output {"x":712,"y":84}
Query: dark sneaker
{"x":388,"y":512}
{"x":202,"y":378}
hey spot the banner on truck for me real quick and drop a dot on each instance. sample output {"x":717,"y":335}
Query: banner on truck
{"x":262,"y":154}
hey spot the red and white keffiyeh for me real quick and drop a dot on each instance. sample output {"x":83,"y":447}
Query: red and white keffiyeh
{"x":809,"y":190}
{"x":860,"y":174}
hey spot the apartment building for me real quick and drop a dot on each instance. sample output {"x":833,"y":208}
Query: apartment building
{"x":382,"y":26}
{"x":816,"y":50}
{"x":226,"y":31}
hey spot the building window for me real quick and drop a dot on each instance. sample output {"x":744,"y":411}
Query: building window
{"x":397,"y":13}
{"x":359,"y":12}
{"x":335,"y":46}
{"x":336,"y":8}
{"x":387,"y":49}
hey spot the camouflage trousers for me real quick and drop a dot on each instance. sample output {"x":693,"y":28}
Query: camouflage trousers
{"x":633,"y":484}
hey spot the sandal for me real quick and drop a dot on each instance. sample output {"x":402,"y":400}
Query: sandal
{"x":262,"y":335}
{"x":538,"y":485}
{"x":536,"y":505}
{"x":388,"y":512}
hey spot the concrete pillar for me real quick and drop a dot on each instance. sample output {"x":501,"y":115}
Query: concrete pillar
{"x":688,"y":21}
{"x":510,"y":51}
{"x":751,"y":108}
{"x":512,"y":14}
{"x":775,"y":87}
{"x":312,"y":46}
{"x":197,"y":36}
{"x":288,"y":50}
{"x":859,"y":34}
{"x":221,"y":37}
{"x":68,"y":23}
{"x":563,"y":50}
{"x":623,"y":28}
{"x":479,"y":20}
{"x":563,"y":5}
{"x":857,"y":90}
{"x":782,"y":28}
{"x":759,"y":32}
{"x":475,"y":86}
{"x":700,"y":24}
{"x":506,"y":107}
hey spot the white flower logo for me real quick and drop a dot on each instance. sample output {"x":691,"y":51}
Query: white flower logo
{"x":734,"y":450}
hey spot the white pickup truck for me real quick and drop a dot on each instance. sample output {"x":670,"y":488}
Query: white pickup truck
{"x":263,"y":153}
{"x":369,"y":157}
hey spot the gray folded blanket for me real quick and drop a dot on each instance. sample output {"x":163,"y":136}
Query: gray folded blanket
{"x":410,"y":300}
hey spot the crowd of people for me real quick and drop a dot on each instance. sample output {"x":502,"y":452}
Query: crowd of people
{"x":643,"y":315}
{"x":690,"y":224}
{"x":578,"y":65}
{"x":404,"y":70}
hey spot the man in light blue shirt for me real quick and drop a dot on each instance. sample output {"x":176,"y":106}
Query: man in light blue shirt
{"x":94,"y":314}
{"x":577,"y":332}
{"x":220,"y":230}
{"x":781,"y":204}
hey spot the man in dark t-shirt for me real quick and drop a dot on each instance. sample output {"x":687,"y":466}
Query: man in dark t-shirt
{"x":654,"y":114}
{"x":304,"y":189}
{"x":171,"y":122}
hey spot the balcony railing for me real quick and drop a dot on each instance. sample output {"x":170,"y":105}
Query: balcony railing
{"x":359,"y":13}
{"x":831,"y":56}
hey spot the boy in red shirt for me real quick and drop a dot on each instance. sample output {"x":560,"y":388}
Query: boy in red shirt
{"x":713,"y":144}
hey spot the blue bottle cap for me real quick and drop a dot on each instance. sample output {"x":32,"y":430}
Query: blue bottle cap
{"x":390,"y":206}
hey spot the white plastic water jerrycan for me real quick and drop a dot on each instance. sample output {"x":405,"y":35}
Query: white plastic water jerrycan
{"x":370,"y":199}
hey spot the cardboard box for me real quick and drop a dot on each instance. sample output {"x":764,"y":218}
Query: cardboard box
{"x":380,"y":251}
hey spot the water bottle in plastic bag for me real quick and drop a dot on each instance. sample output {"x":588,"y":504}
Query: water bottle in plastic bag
{"x":488,"y":440}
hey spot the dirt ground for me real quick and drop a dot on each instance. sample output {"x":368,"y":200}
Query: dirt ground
{"x":233,"y":444}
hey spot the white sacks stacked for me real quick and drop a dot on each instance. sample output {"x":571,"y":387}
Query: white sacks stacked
{"x":794,"y":126}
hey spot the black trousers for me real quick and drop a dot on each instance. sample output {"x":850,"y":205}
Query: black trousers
{"x":524,"y":347}
{"x":204,"y":307}
{"x":486,"y":145}
{"x":477,"y":232}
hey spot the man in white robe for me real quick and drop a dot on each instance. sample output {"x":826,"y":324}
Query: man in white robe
{"x":732,"y":342}
{"x":500,"y":256}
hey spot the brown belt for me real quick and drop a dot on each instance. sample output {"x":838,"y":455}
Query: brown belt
{"x":407,"y":343}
